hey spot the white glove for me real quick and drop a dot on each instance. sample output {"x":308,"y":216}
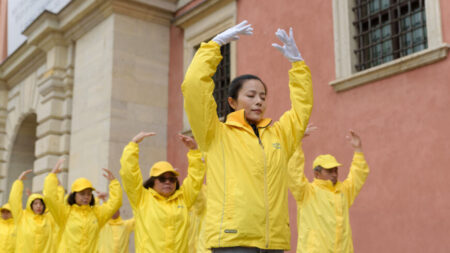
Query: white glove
{"x":233,"y":33}
{"x":289,"y":49}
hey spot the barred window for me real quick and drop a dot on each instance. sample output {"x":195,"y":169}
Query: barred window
{"x":222,"y":81}
{"x":388,"y":30}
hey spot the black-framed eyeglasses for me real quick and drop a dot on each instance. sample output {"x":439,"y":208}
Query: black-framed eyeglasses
{"x":165,"y":179}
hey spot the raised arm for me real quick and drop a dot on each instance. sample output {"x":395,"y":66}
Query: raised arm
{"x":198,"y":85}
{"x":359,"y":170}
{"x":293,"y":123}
{"x":114,"y":202}
{"x":58,"y":208}
{"x":130,"y":171}
{"x":196,"y":171}
{"x":298,"y":184}
{"x":15,"y":196}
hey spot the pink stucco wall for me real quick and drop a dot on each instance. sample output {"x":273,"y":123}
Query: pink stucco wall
{"x":3,"y":29}
{"x":403,"y":121}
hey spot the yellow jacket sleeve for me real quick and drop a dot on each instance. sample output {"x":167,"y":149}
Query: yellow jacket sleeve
{"x":131,"y":174}
{"x":292,"y":123}
{"x":114,"y":202}
{"x":197,"y":88}
{"x":58,"y":209}
{"x":356,"y":178}
{"x":130,"y":224}
{"x":194,"y":180}
{"x":15,"y":200}
{"x":297,"y":182}
{"x":60,"y":192}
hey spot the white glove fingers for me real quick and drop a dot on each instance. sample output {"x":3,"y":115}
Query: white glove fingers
{"x":281,"y":34}
{"x":280,"y":48}
{"x":243,"y":23}
{"x":291,"y":33}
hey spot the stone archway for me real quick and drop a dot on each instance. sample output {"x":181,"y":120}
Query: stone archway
{"x":22,"y":153}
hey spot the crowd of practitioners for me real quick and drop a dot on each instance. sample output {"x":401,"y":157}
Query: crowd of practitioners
{"x":249,"y":163}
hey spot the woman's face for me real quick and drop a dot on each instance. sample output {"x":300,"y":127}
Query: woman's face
{"x":6,"y":214}
{"x":251,"y":98}
{"x":165,"y":184}
{"x":83,"y":197}
{"x":37,"y":206}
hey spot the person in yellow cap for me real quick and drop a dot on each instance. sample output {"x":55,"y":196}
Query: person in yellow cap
{"x":36,"y":228}
{"x":7,"y":230}
{"x":323,"y":205}
{"x":160,"y":204}
{"x":247,"y":155}
{"x":80,"y":219}
{"x":115,"y":235}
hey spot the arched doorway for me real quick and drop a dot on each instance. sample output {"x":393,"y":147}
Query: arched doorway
{"x":22,"y":153}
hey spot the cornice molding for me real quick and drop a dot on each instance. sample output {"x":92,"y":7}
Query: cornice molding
{"x":73,"y":21}
{"x":197,"y":12}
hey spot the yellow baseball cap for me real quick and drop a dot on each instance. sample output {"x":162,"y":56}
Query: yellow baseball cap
{"x":162,"y":167}
{"x":326,"y":162}
{"x":6,"y":207}
{"x":81,"y":184}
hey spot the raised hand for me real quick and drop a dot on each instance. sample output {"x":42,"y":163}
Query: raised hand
{"x":355,"y":141}
{"x":189,"y":142}
{"x":28,"y":192}
{"x":289,"y":49}
{"x":108,"y":174}
{"x":24,"y":174}
{"x":142,"y":135}
{"x":309,"y":129}
{"x":233,"y":33}
{"x":57,"y":168}
{"x":102,"y":195}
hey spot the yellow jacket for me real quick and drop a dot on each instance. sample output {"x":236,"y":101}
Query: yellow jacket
{"x":197,"y":237}
{"x":161,"y":223}
{"x":322,"y":209}
{"x":35,"y":232}
{"x":115,"y":236}
{"x":7,"y":233}
{"x":247,"y":201}
{"x":80,"y":225}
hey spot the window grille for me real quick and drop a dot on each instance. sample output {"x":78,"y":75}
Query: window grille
{"x":388,"y":30}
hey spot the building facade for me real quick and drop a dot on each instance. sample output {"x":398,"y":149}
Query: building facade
{"x":90,"y":77}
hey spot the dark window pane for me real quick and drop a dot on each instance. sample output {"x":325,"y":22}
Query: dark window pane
{"x":388,"y":29}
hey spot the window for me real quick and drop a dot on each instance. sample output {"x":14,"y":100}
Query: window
{"x":222,"y":81}
{"x":374,"y":39}
{"x":387,"y":30}
{"x":202,"y":24}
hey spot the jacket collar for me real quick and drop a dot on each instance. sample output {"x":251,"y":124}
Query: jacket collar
{"x":160,"y":197}
{"x":117,"y":221}
{"x":237,"y":119}
{"x":327,"y":184}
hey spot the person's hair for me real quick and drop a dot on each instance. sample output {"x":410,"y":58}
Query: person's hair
{"x":43,"y":203}
{"x":71,"y":199}
{"x":318,"y":169}
{"x":236,"y":86}
{"x":149,"y":183}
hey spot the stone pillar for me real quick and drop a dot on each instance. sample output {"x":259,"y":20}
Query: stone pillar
{"x":54,"y":112}
{"x":3,"y":152}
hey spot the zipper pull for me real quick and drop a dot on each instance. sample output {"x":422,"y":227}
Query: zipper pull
{"x":260,"y":143}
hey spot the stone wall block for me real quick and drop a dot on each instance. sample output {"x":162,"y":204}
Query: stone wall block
{"x":48,"y":145}
{"x":51,"y":126}
{"x":51,"y":109}
{"x":46,"y":163}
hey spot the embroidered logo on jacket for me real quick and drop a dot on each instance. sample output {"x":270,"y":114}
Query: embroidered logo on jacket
{"x":276,"y":145}
{"x":230,"y":231}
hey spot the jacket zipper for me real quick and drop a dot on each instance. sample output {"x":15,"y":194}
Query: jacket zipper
{"x":265,"y":194}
